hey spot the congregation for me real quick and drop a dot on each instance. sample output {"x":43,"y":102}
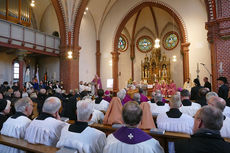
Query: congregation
{"x":37,"y":116}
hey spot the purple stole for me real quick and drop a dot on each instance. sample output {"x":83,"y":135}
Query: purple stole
{"x":131,"y":135}
{"x":126,"y":99}
{"x":144,"y":98}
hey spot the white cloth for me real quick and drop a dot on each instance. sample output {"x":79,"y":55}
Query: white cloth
{"x":227,"y":111}
{"x":225,"y":130}
{"x":102,"y":106}
{"x":97,"y":116}
{"x":45,"y":132}
{"x":183,"y":124}
{"x":190,"y":110}
{"x":15,"y":128}
{"x":81,"y":88}
{"x":113,"y":145}
{"x":155,"y":109}
{"x":88,"y":141}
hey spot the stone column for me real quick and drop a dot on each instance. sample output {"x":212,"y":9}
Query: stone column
{"x":115,"y":59}
{"x":185,"y":52}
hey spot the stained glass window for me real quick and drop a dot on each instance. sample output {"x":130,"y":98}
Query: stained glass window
{"x":122,"y":43}
{"x":144,"y":44}
{"x":16,"y":71}
{"x":170,"y":40}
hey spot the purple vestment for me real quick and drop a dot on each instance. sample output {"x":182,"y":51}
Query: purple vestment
{"x":107,"y":98}
{"x":144,"y":98}
{"x":126,"y":99}
{"x":131,"y":135}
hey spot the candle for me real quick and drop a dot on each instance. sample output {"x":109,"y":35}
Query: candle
{"x":221,"y":66}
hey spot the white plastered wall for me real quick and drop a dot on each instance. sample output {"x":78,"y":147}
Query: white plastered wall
{"x":87,"y":41}
{"x":194,"y":16}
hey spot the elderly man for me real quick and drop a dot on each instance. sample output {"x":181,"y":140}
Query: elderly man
{"x":137,"y":97}
{"x":188,"y":107}
{"x":159,"y":106}
{"x":206,"y":138}
{"x":46,"y":128}
{"x":220,"y":104}
{"x":174,"y":120}
{"x":15,"y":126}
{"x":129,"y":138}
{"x":210,"y":95}
{"x":80,"y":136}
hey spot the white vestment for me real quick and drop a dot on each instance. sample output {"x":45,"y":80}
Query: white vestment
{"x":81,"y":88}
{"x":155,"y":109}
{"x":15,"y":128}
{"x":225,"y":130}
{"x":183,"y":124}
{"x":227,"y":111}
{"x":113,"y":145}
{"x":90,"y":140}
{"x":190,"y":110}
{"x":102,"y":106}
{"x":97,"y":116}
{"x":45,"y":132}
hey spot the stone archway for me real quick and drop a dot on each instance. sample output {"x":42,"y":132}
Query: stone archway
{"x":182,"y":30}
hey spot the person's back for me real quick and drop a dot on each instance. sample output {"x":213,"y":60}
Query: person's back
{"x":206,"y":138}
{"x":15,"y":126}
{"x":80,"y":136}
{"x":100,"y":103}
{"x":129,"y":138}
{"x":4,"y":111}
{"x":46,"y":128}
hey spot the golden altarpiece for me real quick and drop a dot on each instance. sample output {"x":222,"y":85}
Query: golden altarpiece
{"x":155,"y":68}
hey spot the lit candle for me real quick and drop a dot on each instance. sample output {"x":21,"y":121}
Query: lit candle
{"x":221,"y":67}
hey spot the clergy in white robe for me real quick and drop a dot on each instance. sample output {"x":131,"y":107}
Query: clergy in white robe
{"x":174,"y":120}
{"x":226,"y":111}
{"x":99,"y":102}
{"x":80,"y":136}
{"x":97,"y":116}
{"x":158,"y":107}
{"x":15,"y":126}
{"x":46,"y":128}
{"x":188,"y":107}
{"x":129,"y":138}
{"x":220,"y":103}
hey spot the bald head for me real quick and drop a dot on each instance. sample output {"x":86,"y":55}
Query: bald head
{"x":175,"y":101}
{"x":132,"y":113}
{"x":217,"y":102}
{"x":51,"y":105}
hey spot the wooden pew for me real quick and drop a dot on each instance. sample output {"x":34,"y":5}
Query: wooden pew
{"x":24,"y":145}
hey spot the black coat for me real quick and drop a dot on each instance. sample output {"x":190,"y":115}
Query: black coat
{"x":223,"y":91}
{"x":3,"y":118}
{"x":195,"y":92}
{"x":203,"y":142}
{"x":208,"y":85}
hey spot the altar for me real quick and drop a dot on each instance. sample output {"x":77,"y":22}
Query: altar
{"x":155,"y":68}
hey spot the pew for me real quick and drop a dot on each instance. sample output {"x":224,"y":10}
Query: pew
{"x":24,"y":145}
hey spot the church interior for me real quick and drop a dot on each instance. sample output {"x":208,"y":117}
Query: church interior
{"x":132,"y":45}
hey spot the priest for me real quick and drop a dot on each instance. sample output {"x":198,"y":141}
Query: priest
{"x":79,"y":136}
{"x":129,"y":138}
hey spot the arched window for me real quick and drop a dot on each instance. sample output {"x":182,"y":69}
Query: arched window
{"x":16,"y":71}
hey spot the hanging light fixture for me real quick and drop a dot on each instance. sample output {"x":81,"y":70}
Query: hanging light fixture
{"x":157,"y":43}
{"x":32,"y":4}
{"x":70,"y":54}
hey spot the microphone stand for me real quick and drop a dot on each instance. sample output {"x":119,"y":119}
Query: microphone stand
{"x":208,"y":72}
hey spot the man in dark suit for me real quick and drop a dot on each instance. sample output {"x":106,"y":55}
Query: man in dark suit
{"x":223,"y":88}
{"x":206,"y":138}
{"x":207,"y":84}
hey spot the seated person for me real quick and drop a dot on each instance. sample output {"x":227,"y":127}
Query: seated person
{"x":147,"y":121}
{"x":174,"y":120}
{"x":159,"y":106}
{"x":137,"y":98}
{"x":100,"y":103}
{"x":4,"y":111}
{"x":220,"y":103}
{"x":143,"y":97}
{"x":202,"y":97}
{"x":113,"y":114}
{"x":124,"y":97}
{"x":46,"y":128}
{"x":107,"y":96}
{"x":206,"y":134}
{"x":80,"y":136}
{"x":210,"y":95}
{"x":129,"y":138}
{"x":15,"y":126}
{"x":188,"y":107}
